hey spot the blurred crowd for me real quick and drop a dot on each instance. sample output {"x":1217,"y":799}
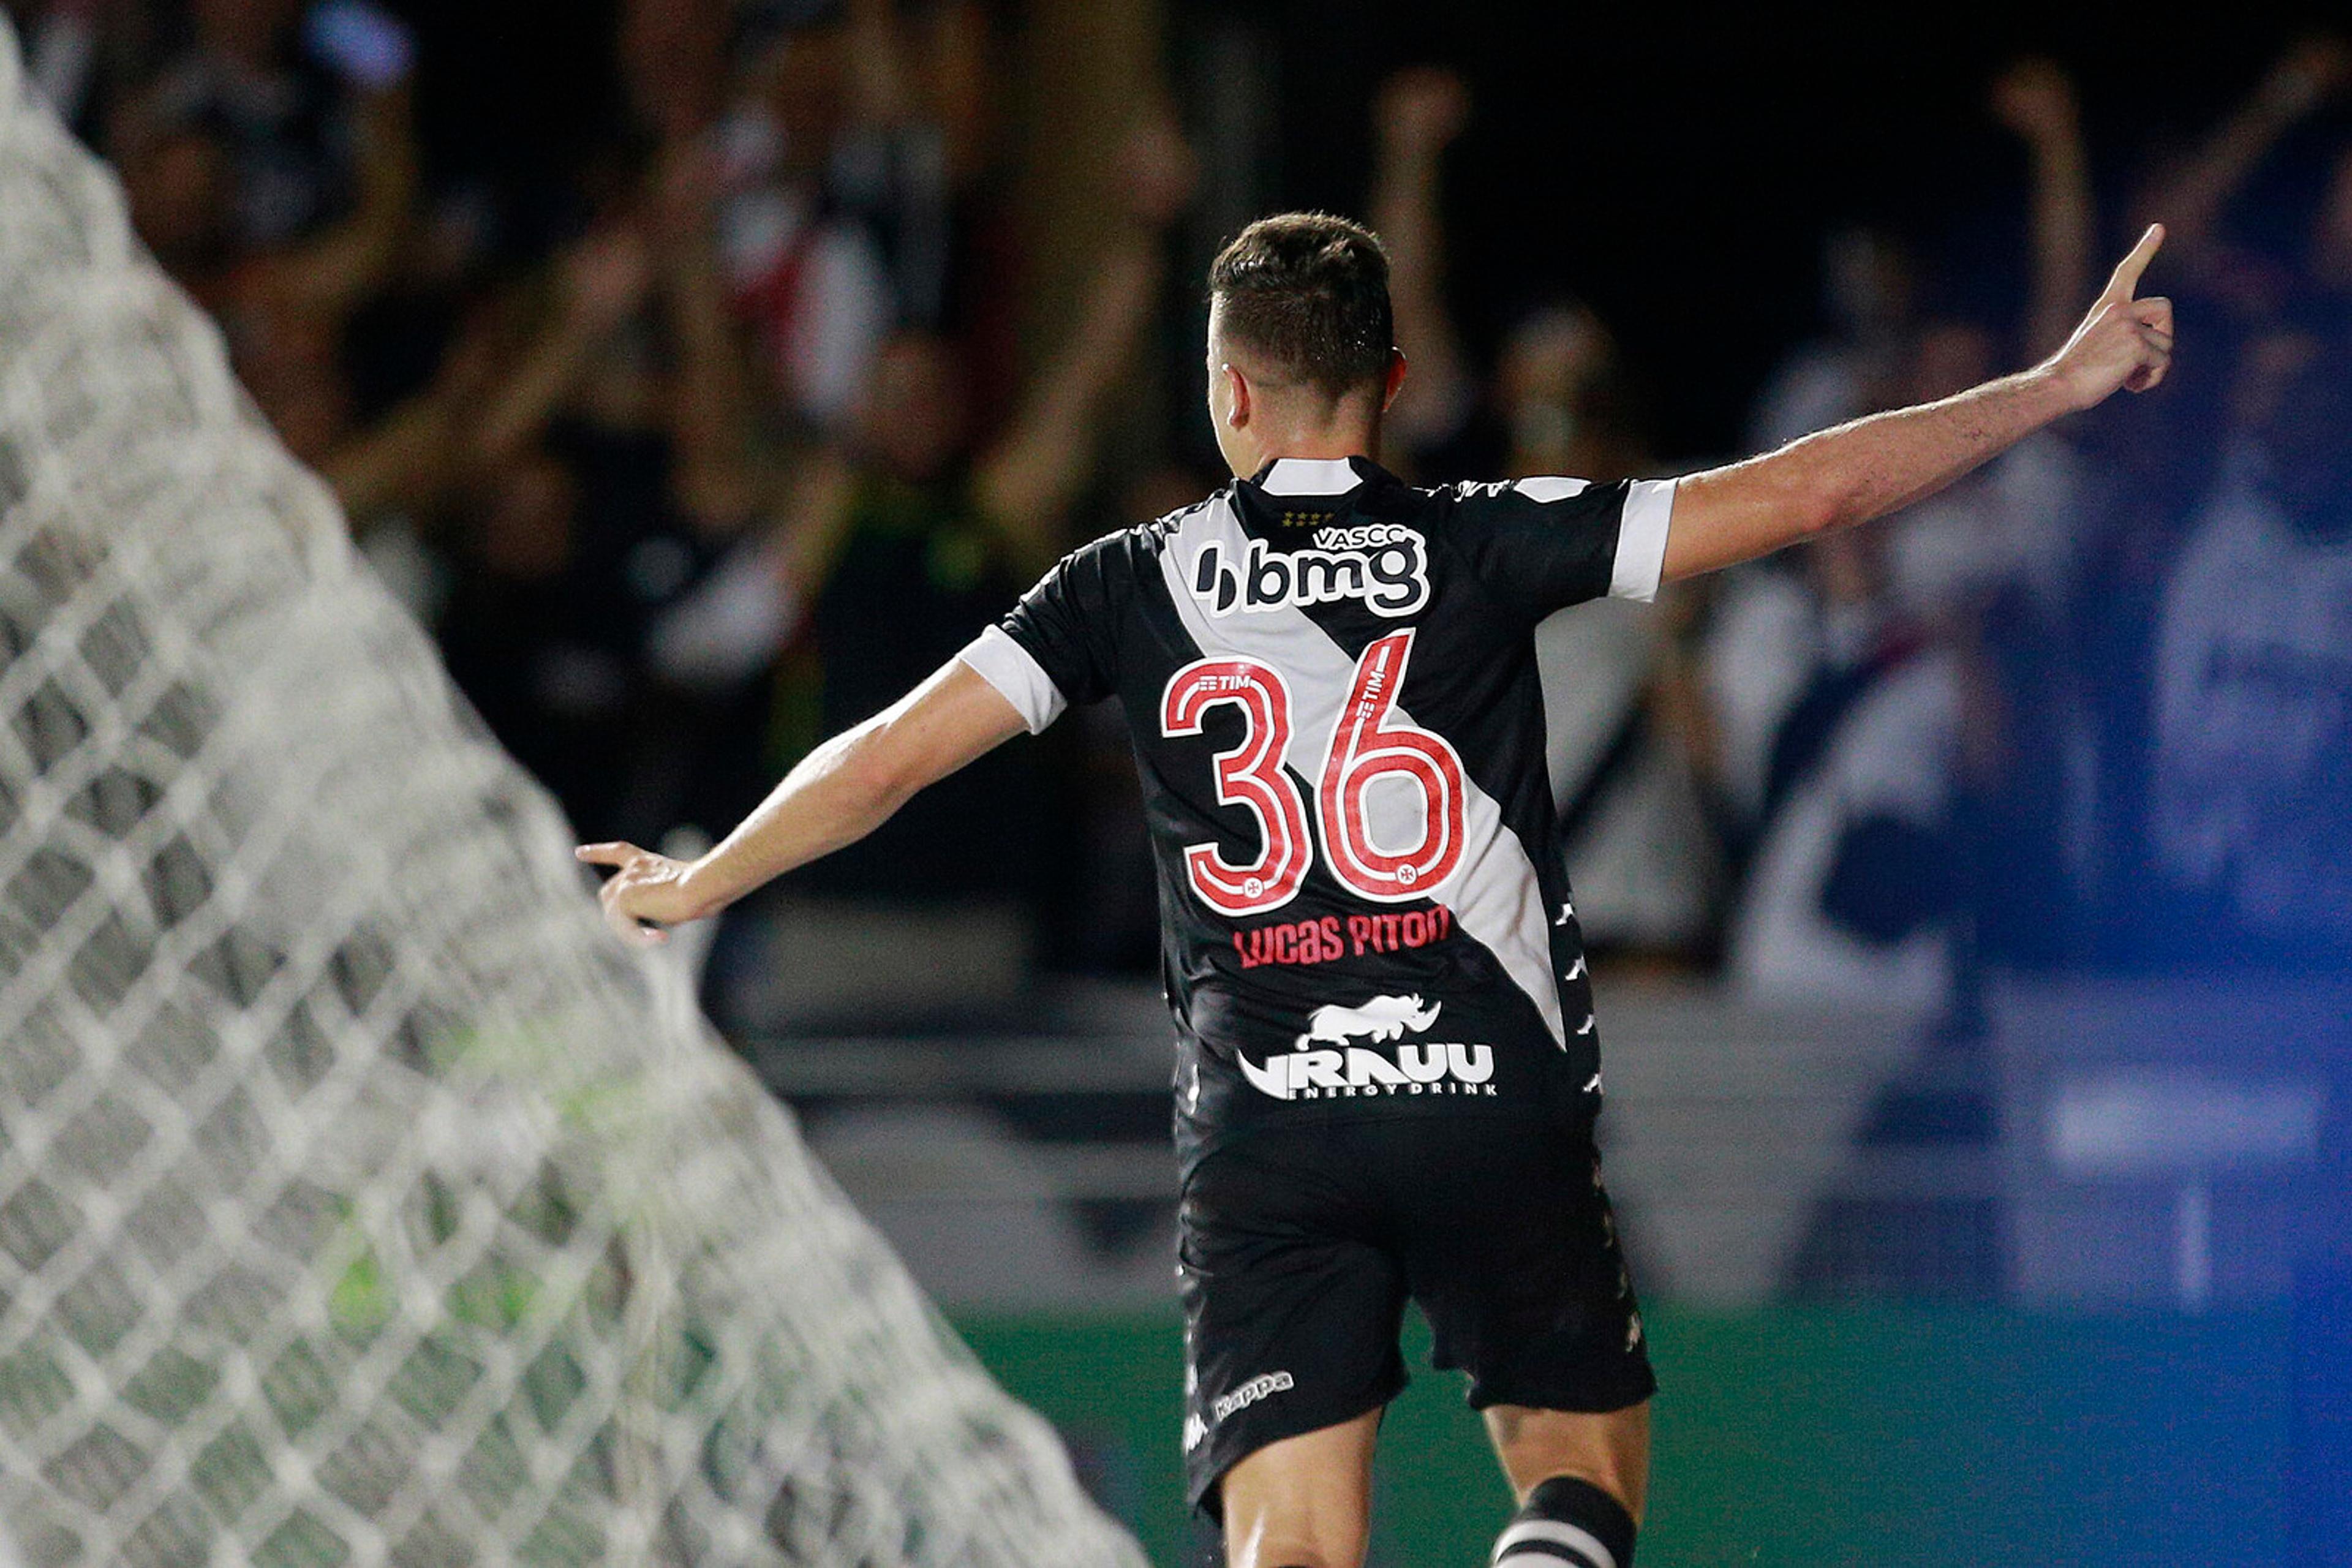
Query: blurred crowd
{"x":711,"y":435}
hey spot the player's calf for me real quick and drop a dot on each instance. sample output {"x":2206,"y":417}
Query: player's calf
{"x":1303,"y":1501}
{"x":1566,"y":1521}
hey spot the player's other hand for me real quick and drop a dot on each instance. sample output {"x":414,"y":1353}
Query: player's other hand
{"x":645,"y":888}
{"x":2125,"y":341}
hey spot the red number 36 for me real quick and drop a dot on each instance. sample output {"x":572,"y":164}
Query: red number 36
{"x":1367,"y":743}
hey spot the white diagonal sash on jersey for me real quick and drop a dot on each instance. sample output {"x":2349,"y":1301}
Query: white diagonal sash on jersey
{"x":1492,"y":891}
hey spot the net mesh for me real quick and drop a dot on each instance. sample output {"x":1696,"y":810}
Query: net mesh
{"x":360,"y":1201}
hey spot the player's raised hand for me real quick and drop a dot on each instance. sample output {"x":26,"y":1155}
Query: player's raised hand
{"x":644,"y":886}
{"x":2125,"y":341}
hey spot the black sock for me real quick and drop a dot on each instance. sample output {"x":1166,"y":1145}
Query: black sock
{"x":1567,"y":1523}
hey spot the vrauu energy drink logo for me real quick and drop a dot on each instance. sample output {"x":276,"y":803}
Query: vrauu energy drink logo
{"x":1350,"y":1070}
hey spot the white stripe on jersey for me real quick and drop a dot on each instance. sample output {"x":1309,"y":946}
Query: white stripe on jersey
{"x":1642,"y":540}
{"x":1018,"y":676}
{"x":1492,"y":891}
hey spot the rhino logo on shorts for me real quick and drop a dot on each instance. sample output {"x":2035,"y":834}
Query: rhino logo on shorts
{"x":1382,"y":1019}
{"x":1352,"y":1070}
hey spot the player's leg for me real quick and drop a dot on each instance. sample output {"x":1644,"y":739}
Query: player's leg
{"x":1291,"y":1311}
{"x":1580,"y":1478}
{"x":1303,"y":1501}
{"x":1514,"y":1257}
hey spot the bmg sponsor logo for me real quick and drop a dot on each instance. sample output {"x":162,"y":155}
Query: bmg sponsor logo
{"x":1384,"y":564}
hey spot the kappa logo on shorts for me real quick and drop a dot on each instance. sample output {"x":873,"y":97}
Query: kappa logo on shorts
{"x":1438,"y":1068}
{"x":1249,"y":1393}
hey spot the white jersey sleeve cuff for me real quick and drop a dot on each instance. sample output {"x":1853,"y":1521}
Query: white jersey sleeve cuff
{"x":1018,"y":678}
{"x":1642,"y":540}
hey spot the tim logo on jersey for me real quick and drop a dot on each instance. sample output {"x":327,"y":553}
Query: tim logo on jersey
{"x":1355,"y":1070}
{"x":1385,"y":564}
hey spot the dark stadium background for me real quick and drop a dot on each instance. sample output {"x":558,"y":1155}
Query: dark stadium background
{"x":1680,"y":161}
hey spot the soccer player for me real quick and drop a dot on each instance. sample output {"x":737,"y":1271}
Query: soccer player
{"x":1386,"y":1067}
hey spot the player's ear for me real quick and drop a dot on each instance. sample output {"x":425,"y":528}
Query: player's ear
{"x":1393,"y":381}
{"x":1237,"y":395}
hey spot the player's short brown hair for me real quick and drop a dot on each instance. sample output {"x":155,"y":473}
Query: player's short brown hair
{"x":1310,"y":291}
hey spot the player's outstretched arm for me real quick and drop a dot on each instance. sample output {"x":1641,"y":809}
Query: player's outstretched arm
{"x":840,"y":793}
{"x":1884,"y":463}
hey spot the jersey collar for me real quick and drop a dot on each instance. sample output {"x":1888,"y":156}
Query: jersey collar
{"x":1316,"y":476}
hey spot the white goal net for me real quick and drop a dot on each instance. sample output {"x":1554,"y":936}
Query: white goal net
{"x":361,"y":1202}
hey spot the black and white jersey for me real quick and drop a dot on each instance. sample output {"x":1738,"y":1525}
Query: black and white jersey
{"x":1330,"y":679}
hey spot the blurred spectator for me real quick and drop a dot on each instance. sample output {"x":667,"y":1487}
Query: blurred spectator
{"x":1868,"y":294}
{"x":1900,"y":733}
{"x":1558,"y":403}
{"x":673,"y":57}
{"x":814,"y":284}
{"x":261,"y":178}
{"x":1419,"y":113}
{"x":1617,"y":709}
{"x":913,"y":536}
{"x":731,"y":470}
{"x":1848,"y":891}
{"x":846,"y":146}
{"x":2253,"y":683}
{"x":2194,"y":191}
{"x":538,"y":631}
{"x":279,"y":89}
{"x":2163,"y":473}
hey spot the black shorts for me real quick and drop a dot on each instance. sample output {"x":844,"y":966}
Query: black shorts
{"x":1297,"y":1253}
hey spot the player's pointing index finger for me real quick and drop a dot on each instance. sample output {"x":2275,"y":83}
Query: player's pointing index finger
{"x":2127,"y":270}
{"x":607,"y":854}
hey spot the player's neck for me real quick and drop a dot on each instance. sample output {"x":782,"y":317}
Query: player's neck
{"x":1315,"y":451}
{"x":1321,"y":444}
